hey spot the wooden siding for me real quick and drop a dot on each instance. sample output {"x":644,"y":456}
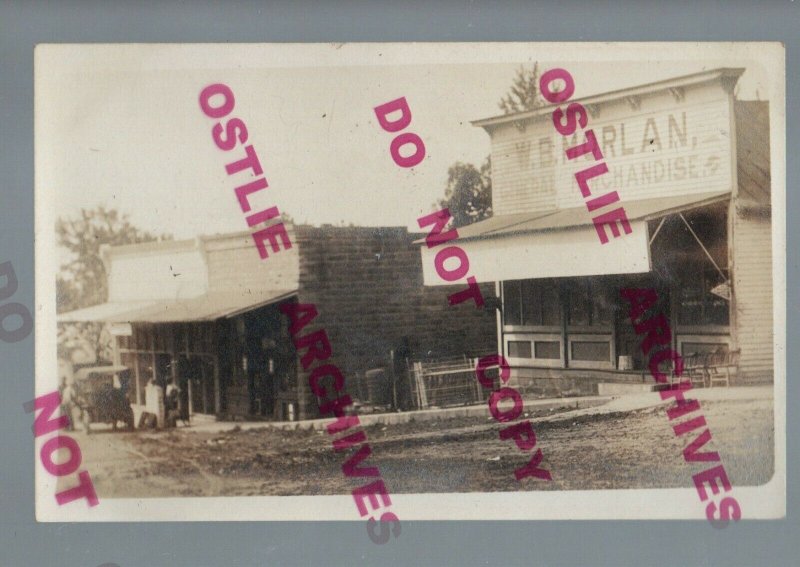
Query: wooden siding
{"x":660,"y":144}
{"x":752,"y":257}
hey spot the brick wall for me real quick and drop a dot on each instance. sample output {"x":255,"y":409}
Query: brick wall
{"x":367,"y":285}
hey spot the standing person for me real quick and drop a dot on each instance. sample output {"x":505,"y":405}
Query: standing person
{"x":154,"y":404}
{"x":171,"y":404}
{"x":67,"y":393}
{"x":183,"y":399}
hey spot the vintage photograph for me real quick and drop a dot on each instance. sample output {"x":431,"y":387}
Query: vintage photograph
{"x":547,"y":277}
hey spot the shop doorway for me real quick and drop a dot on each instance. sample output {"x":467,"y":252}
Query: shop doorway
{"x":197,"y":380}
{"x":628,"y":342}
{"x":269,"y":360}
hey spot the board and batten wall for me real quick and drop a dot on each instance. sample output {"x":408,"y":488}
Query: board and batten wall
{"x":668,"y":142}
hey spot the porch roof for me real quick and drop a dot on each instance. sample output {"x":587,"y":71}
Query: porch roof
{"x":574,"y":217}
{"x":561,"y":242}
{"x":207,"y":307}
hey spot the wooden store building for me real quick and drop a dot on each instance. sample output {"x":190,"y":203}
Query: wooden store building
{"x":206,"y":313}
{"x":691,"y":167}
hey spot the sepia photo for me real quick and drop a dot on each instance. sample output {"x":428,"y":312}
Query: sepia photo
{"x":387,"y":282}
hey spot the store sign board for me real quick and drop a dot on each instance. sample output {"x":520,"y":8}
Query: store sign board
{"x":675,"y":149}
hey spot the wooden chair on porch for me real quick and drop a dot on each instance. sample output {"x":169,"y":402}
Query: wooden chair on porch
{"x":711,"y":368}
{"x":720,"y":365}
{"x":695,"y":368}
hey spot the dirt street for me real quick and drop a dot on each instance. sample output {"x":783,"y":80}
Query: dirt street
{"x":620,"y":450}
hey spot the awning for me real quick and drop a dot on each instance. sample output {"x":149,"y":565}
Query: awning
{"x":208,"y":307}
{"x":560,"y":243}
{"x":112,"y":311}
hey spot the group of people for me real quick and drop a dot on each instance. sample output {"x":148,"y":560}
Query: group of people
{"x":175,"y":408}
{"x":75,"y":405}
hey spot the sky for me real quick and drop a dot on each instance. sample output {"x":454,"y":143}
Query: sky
{"x":121,"y":126}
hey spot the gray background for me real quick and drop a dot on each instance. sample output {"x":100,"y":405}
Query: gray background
{"x":23,"y":542}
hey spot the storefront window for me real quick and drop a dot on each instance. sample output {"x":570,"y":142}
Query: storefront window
{"x":589,"y":305}
{"x":146,"y":366}
{"x":207,"y":342}
{"x":512,"y":302}
{"x":179,"y":331}
{"x":698,"y":306}
{"x":533,"y":303}
{"x":538,"y":304}
{"x":142,"y":338}
{"x":161,"y":339}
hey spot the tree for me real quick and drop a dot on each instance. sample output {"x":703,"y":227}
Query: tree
{"x":523,"y":95}
{"x":286,"y":218}
{"x":82,"y":281}
{"x":468,"y":194}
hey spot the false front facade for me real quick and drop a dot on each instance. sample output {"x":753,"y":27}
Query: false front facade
{"x":688,"y":165}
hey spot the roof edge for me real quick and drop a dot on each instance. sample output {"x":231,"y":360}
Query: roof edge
{"x":609,"y":96}
{"x":507,"y":231}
